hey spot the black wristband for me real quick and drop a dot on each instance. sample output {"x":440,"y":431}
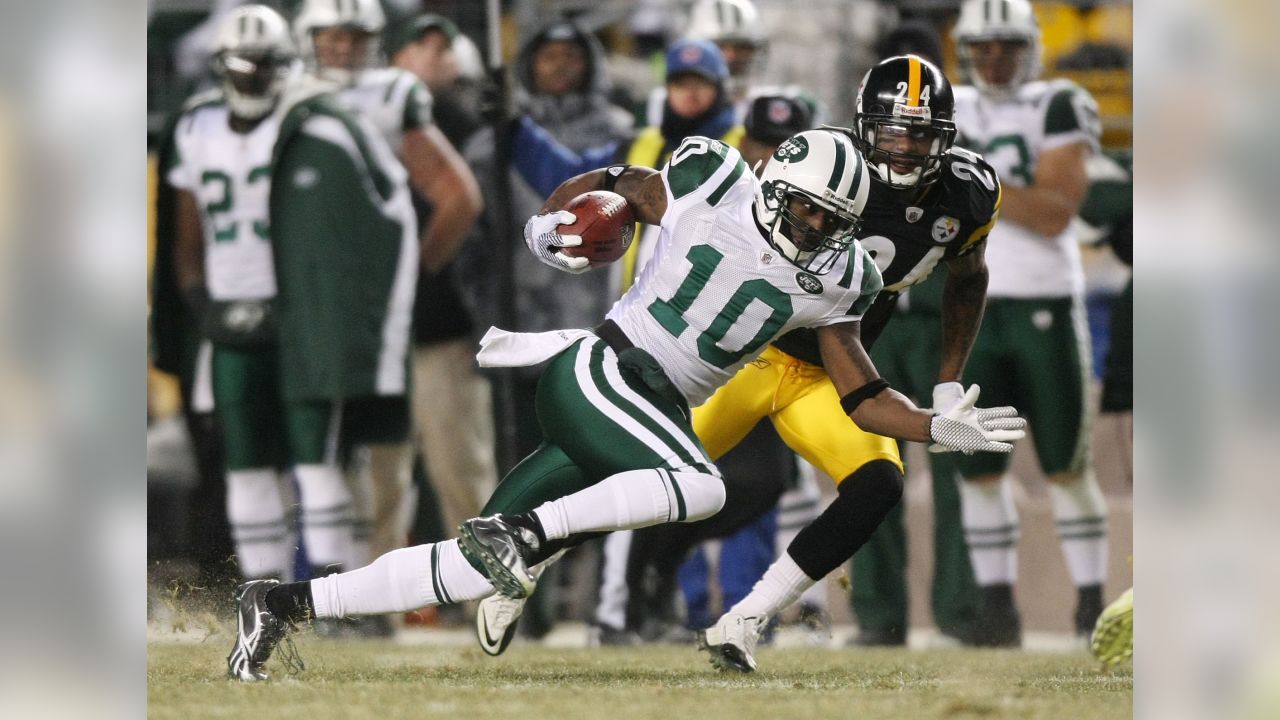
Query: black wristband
{"x":850,"y":402}
{"x":612,"y":173}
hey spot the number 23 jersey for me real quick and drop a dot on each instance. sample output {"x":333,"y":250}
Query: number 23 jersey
{"x":716,"y":291}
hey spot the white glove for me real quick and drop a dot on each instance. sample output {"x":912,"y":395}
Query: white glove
{"x":946,"y":396}
{"x":968,"y":429}
{"x":545,"y":243}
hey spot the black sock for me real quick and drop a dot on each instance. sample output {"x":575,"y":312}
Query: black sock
{"x":529,"y":521}
{"x":999,"y":595}
{"x":291,"y":601}
{"x":1088,"y":607}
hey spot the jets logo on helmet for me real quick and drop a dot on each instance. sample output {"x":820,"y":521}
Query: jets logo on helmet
{"x":1010,"y":23}
{"x":904,"y":120}
{"x":811,"y":198}
{"x":253,"y":57}
{"x":795,"y":148}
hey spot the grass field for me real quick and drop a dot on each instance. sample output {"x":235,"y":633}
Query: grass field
{"x":186,"y":681}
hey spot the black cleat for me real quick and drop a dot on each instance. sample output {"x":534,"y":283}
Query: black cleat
{"x":258,"y":632}
{"x":504,"y":551}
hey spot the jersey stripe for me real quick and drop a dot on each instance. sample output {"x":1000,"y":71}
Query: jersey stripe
{"x":719,"y":192}
{"x":982,"y":232}
{"x":913,"y":81}
{"x":687,"y":449}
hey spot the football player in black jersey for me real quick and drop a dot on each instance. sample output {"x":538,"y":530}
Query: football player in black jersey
{"x":931,"y":203}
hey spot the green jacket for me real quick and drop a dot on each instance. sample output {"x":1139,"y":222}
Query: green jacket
{"x":345,"y":243}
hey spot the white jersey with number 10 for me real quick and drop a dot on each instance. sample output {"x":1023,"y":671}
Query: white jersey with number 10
{"x":716,"y":292}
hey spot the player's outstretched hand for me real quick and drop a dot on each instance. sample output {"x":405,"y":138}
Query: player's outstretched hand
{"x":969,"y":429}
{"x":545,"y":243}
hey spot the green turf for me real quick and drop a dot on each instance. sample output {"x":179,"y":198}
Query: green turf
{"x":374,"y":680}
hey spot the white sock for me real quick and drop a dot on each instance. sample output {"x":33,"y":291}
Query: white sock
{"x":256,"y":513}
{"x":990,"y":521}
{"x":1081,"y":514}
{"x":400,"y":581}
{"x":782,"y":584}
{"x":611,"y":608}
{"x":633,"y":499}
{"x":326,"y":514}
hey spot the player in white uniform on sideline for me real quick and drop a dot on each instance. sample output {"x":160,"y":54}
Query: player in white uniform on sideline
{"x":222,"y":167}
{"x":1033,"y":348}
{"x":740,"y":262}
{"x":339,"y":43}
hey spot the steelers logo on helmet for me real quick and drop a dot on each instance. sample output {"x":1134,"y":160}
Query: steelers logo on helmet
{"x":810,"y":202}
{"x":904,"y":120}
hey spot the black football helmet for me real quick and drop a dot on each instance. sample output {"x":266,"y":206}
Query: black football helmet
{"x":904,"y":121}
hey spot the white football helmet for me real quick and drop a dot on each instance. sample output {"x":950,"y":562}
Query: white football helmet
{"x":730,"y":22}
{"x":252,"y":58}
{"x":822,"y":169}
{"x":365,"y":16}
{"x":1010,"y":20}
{"x":725,"y":21}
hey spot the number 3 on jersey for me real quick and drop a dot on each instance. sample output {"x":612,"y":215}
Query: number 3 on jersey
{"x":670,"y":313}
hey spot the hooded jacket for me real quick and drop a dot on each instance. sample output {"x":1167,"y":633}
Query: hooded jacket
{"x":546,"y":299}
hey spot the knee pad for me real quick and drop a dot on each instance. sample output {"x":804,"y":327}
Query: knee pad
{"x":864,"y":499}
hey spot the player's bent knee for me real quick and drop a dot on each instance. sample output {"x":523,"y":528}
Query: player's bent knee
{"x":703,"y":495}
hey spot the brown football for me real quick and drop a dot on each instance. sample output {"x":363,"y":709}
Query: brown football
{"x":606,"y":224}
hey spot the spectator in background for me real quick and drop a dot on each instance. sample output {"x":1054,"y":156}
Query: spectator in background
{"x":452,"y":401}
{"x":562,"y":86}
{"x":909,"y":358}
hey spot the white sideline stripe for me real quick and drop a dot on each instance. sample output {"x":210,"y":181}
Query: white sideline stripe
{"x":582,"y":368}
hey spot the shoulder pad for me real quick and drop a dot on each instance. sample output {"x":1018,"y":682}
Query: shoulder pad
{"x":971,"y":185}
{"x":696,"y":161}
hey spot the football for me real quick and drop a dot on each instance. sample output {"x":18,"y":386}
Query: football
{"x":606,"y":224}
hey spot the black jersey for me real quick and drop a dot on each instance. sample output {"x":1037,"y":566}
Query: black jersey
{"x":908,"y":241}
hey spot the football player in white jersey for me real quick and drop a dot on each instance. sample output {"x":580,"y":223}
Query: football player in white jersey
{"x":740,"y":261}
{"x":224,"y":141}
{"x":339,"y":42}
{"x":1038,"y":134}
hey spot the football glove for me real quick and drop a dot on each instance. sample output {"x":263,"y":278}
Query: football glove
{"x":946,"y":396}
{"x":545,"y":243}
{"x":969,"y":429}
{"x":1112,"y":640}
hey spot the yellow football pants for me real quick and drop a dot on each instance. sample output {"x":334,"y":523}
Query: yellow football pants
{"x":805,"y":409}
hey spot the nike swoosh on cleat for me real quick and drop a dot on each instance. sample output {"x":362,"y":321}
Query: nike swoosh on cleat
{"x":489,"y":641}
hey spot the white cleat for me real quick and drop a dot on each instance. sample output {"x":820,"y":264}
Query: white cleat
{"x":731,"y":642}
{"x":496,"y":622}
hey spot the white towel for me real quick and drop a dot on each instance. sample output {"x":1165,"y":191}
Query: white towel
{"x":499,"y":348}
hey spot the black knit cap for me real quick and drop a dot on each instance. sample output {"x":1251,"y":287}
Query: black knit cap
{"x":774,"y":118}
